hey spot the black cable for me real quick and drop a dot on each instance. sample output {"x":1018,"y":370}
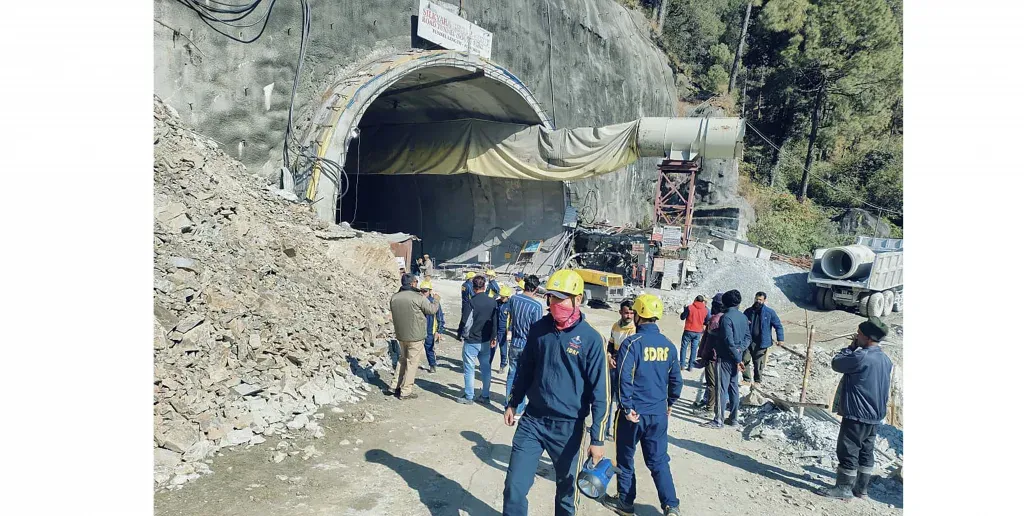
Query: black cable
{"x":295,"y":80}
{"x":355,"y":208}
{"x":209,"y":19}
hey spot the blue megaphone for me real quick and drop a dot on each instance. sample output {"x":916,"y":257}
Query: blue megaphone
{"x":593,"y":480}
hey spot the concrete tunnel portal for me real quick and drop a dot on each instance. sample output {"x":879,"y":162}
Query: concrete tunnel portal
{"x":455,"y":216}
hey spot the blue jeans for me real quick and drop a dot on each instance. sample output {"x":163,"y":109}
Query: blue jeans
{"x":503,"y":346}
{"x":513,"y":363}
{"x":692,"y":339}
{"x":474,"y":354}
{"x":728,"y":389}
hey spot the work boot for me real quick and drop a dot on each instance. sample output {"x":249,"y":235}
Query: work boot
{"x":672,"y":511}
{"x":860,"y":486}
{"x":712,"y":424}
{"x":843,"y":488}
{"x":465,"y":401}
{"x":617,"y":505}
{"x":409,"y":397}
{"x":433,"y":369}
{"x":731,"y":420}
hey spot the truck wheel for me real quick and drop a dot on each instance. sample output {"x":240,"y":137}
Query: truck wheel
{"x":828,"y":300}
{"x":875,"y":303}
{"x":889,"y":297}
{"x":819,"y":298}
{"x":897,"y":305}
{"x":862,"y":305}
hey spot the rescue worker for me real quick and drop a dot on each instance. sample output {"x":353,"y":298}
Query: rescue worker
{"x":467,"y":295}
{"x":564,"y":370}
{"x":493,"y":288}
{"x":503,"y":322}
{"x":706,"y":356}
{"x":435,"y":323}
{"x":863,"y":396}
{"x":734,"y":338}
{"x":694,"y":318}
{"x":762,"y":319}
{"x":520,"y":282}
{"x":649,"y":384}
{"x":524,"y":310}
{"x":622,"y":328}
{"x":480,"y":323}
{"x":409,"y":308}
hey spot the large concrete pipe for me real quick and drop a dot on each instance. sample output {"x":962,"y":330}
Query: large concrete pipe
{"x":847,"y":262}
{"x":690,"y":138}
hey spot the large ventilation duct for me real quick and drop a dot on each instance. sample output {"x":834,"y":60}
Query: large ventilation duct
{"x":515,"y":151}
{"x":847,"y":262}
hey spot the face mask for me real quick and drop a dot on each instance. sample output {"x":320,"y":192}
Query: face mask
{"x":564,"y":315}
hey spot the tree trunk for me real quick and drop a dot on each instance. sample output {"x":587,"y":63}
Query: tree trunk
{"x":662,"y":10}
{"x":739,"y":48}
{"x":809,"y":161}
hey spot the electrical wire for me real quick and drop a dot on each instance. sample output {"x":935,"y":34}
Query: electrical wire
{"x":355,"y":207}
{"x":303,"y":40}
{"x":213,"y":16}
{"x":819,"y":178}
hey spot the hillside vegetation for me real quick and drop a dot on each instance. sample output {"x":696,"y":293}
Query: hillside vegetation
{"x":820,"y":82}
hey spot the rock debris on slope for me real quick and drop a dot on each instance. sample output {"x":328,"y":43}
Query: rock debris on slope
{"x":263,"y":312}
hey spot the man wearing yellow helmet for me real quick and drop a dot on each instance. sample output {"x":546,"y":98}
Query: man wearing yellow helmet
{"x":649,"y":382}
{"x":435,"y":323}
{"x":493,"y":288}
{"x":503,"y":324}
{"x":564,"y":370}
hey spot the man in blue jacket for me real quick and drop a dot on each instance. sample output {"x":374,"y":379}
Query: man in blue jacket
{"x":435,"y":323}
{"x":762,"y":319}
{"x":524,"y":310}
{"x":734,"y":337}
{"x":503,"y":328}
{"x":467,"y":295}
{"x":649,"y":384}
{"x":862,"y":400}
{"x":564,"y":371}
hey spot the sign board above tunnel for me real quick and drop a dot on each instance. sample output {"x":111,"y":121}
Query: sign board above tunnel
{"x":437,"y":24}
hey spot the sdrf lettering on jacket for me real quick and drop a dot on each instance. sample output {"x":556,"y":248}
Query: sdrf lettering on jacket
{"x":655,"y":354}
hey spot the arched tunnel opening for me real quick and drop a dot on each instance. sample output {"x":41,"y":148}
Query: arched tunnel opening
{"x":456,"y":217}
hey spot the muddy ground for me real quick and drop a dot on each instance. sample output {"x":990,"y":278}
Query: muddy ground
{"x":432,"y":456}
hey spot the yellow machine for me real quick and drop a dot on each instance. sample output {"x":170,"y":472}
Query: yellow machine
{"x":602,"y":286}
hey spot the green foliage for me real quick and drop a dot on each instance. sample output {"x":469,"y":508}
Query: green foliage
{"x":701,"y":37}
{"x":790,"y":227}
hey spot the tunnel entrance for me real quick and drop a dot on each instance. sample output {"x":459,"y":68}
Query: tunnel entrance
{"x":456,"y":217}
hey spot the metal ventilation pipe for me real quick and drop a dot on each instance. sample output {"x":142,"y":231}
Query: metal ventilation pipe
{"x":847,"y":262}
{"x":690,"y":138}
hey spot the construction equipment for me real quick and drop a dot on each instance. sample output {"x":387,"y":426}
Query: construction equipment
{"x":866,"y":276}
{"x":601,"y":286}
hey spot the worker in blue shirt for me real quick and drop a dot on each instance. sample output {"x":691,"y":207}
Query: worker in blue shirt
{"x":733,"y":338}
{"x":524,"y":309}
{"x":649,"y":384}
{"x":493,"y":288}
{"x":435,"y":323}
{"x":467,"y":296}
{"x":503,"y":323}
{"x":564,"y":370}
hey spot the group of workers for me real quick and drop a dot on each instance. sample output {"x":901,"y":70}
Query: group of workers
{"x":560,"y":370}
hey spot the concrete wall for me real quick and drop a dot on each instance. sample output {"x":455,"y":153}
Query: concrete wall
{"x":589,"y":62}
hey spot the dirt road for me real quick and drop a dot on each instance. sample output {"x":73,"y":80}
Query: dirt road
{"x":432,"y":456}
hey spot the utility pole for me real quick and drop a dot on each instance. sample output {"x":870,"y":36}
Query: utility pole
{"x":739,"y":48}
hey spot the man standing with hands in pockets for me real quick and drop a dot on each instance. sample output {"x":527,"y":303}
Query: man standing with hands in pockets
{"x":563,"y":369}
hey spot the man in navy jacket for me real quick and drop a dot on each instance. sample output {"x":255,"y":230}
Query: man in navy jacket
{"x":649,"y":384}
{"x":863,"y":397}
{"x":762,"y":320}
{"x":563,"y":369}
{"x":734,"y":337}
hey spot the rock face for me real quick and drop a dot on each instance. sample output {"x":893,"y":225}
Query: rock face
{"x":257,"y":319}
{"x":857,"y":221}
{"x":588,"y":62}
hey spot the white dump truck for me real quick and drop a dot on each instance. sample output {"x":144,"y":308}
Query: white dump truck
{"x":866,"y":276}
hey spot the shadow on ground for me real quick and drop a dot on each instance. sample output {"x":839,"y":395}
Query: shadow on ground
{"x":796,"y":289}
{"x":497,"y":455}
{"x":747,"y":464}
{"x":441,"y":495}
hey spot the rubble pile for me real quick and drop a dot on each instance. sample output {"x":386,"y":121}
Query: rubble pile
{"x":263,"y":313}
{"x":812,"y":438}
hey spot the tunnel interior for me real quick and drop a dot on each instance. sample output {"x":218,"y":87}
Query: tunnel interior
{"x":455,"y":216}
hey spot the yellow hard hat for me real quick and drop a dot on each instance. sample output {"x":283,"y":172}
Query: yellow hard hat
{"x":565,"y":283}
{"x":648,"y":306}
{"x":491,"y":273}
{"x":505,"y":291}
{"x":425,"y":285}
{"x":470,"y":275}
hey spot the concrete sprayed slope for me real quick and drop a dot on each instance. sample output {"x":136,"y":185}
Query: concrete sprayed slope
{"x":260,"y":309}
{"x":590,"y":63}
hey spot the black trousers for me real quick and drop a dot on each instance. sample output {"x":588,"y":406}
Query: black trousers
{"x":856,"y":446}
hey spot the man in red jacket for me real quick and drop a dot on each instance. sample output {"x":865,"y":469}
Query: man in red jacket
{"x":694,"y":318}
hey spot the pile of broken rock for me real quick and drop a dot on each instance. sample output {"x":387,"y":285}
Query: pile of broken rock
{"x":263,"y":313}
